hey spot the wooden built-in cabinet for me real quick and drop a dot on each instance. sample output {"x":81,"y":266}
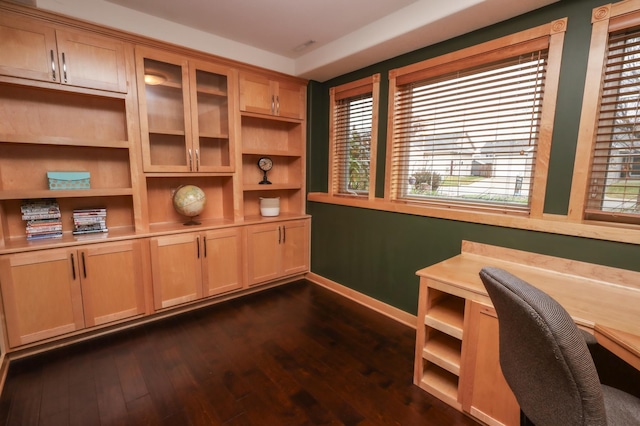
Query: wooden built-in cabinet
{"x":36,"y":50}
{"x":186,"y":113}
{"x":282,"y":140}
{"x":265,"y":95}
{"x":44,"y":130}
{"x":277,"y":249}
{"x":54,"y":292}
{"x":143,"y":118}
{"x":457,"y":336}
{"x":439,"y":344}
{"x":187,"y":267}
{"x":484,"y":392}
{"x":457,"y":355}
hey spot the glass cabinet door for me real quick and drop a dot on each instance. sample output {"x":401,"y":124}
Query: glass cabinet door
{"x":164,"y":112}
{"x":211,"y":119}
{"x":185,"y":113}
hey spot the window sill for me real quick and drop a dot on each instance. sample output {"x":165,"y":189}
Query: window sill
{"x":555,"y":224}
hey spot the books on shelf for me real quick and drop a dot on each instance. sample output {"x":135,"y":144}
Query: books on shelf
{"x":43,"y":219}
{"x":89,"y":221}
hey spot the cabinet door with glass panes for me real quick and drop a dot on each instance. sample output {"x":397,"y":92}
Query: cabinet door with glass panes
{"x":185,"y":113}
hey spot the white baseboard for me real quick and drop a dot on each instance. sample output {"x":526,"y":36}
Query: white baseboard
{"x":371,"y":303}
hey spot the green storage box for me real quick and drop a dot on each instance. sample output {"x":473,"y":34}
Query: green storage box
{"x":69,"y":180}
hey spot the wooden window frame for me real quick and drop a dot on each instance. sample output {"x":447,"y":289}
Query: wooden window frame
{"x":549,"y":36}
{"x":362,"y":86}
{"x":605,"y":20}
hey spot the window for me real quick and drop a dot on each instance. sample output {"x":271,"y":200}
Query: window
{"x":467,"y":127}
{"x":353,"y":137}
{"x":609,"y":189}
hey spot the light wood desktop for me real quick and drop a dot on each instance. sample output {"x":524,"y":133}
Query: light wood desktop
{"x":456,"y":328}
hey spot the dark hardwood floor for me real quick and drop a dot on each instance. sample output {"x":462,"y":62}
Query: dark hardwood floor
{"x":293,"y":355}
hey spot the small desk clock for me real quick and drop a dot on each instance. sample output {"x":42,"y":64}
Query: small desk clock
{"x":265,"y":164}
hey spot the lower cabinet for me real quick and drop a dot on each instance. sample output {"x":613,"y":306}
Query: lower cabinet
{"x":457,"y":357}
{"x":187,"y":267}
{"x":485,"y":393}
{"x":53,"y":292}
{"x":112,"y":281}
{"x":278,"y":249}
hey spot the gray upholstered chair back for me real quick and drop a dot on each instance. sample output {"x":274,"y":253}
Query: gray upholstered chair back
{"x":543,"y":355}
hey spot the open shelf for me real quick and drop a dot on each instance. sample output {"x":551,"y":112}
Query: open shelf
{"x":24,"y":168}
{"x":217,"y":189}
{"x":265,"y":136}
{"x":446,"y":313}
{"x":84,"y":193}
{"x":119,"y":216}
{"x":290,"y":200}
{"x":441,"y":384}
{"x":44,"y":115}
{"x":443,"y":350}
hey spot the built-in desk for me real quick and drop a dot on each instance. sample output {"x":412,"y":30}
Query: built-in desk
{"x":456,"y":341}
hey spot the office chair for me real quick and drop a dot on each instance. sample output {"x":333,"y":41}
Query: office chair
{"x":546,"y":362}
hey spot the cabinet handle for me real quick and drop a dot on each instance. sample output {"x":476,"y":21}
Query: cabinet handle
{"x":273,"y":104}
{"x":190,"y":161}
{"x":279,"y":235}
{"x":84,"y":265}
{"x":73,"y":267}
{"x":284,"y":234}
{"x":204,"y":245}
{"x":53,"y":68}
{"x":197,"y":160}
{"x":64,"y":68}
{"x":198,"y":243}
{"x":277,"y":105}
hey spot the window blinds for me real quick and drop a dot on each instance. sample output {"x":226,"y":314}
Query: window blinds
{"x":471,"y":135}
{"x":615,"y":167}
{"x":352,"y":144}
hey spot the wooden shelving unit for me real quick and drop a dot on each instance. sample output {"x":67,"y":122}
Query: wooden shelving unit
{"x":439,"y":367}
{"x":143,"y":118}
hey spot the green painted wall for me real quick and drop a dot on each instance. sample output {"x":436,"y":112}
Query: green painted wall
{"x":377,"y":253}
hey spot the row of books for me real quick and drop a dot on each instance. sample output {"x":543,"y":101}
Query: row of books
{"x":43,"y":220}
{"x":89,"y":221}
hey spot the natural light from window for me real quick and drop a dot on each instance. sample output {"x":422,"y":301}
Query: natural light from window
{"x":472,"y":136}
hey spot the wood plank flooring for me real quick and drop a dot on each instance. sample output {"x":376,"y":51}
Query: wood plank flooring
{"x":297,"y":354}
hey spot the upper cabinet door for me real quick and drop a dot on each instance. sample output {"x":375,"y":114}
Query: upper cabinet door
{"x":185,"y":113}
{"x":212,"y":93}
{"x":163,"y":95}
{"x":256,"y":94}
{"x":27,"y":49}
{"x":34,"y":50}
{"x":262,"y":95}
{"x":291,"y":100}
{"x":88,"y":60}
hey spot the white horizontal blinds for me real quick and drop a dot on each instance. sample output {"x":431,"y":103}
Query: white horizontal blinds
{"x":614,"y":182}
{"x":352,"y":145}
{"x":470,"y":136}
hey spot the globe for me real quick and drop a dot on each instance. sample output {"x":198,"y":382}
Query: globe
{"x":189,"y":200}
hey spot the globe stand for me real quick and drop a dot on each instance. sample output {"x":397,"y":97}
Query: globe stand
{"x":192,"y":222}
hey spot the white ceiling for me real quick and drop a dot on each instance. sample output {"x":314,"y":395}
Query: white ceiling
{"x":346,"y":34}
